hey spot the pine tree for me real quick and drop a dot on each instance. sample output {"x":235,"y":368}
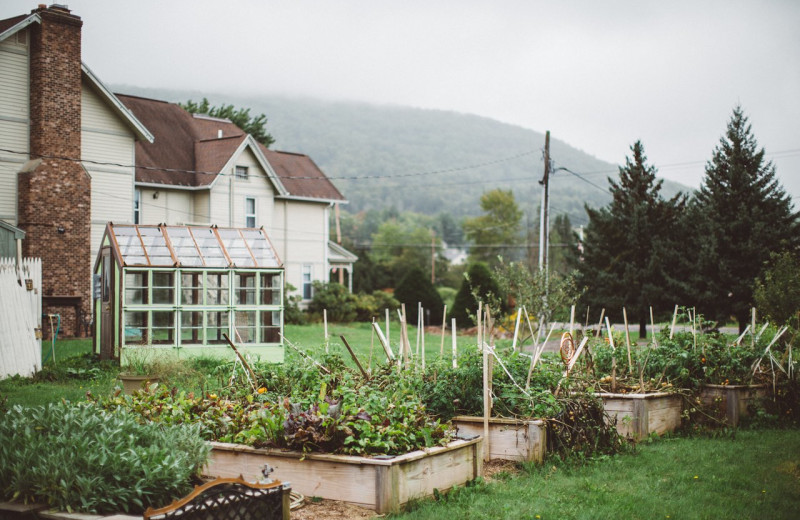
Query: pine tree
{"x":626,"y":245}
{"x":743,"y":215}
{"x":414,"y":288}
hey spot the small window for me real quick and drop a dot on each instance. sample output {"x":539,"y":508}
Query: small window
{"x":241,"y":172}
{"x":250,"y":212}
{"x":137,"y":207}
{"x":307,"y":288}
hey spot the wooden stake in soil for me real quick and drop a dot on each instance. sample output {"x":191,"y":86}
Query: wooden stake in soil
{"x":371,"y":345}
{"x":600,"y":323}
{"x":355,"y":358}
{"x":242,"y":359}
{"x":480,"y":315}
{"x":387,"y":325}
{"x":674,"y":320}
{"x":306,"y":356}
{"x":444,"y":329}
{"x":627,"y":339}
{"x":419,"y":328}
{"x":487,"y":412}
{"x":613,"y":357}
{"x":455,"y":348}
{"x":653,"y":325}
{"x":422,"y":336}
{"x":516,"y":330}
{"x":571,"y":319}
{"x":384,"y":343}
{"x":325,"y":327}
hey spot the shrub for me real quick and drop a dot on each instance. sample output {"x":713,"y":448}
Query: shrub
{"x":80,"y":457}
{"x":477,"y":282}
{"x":336,"y":299}
{"x":416,"y":287}
{"x":370,"y":306}
{"x":777,"y":290}
{"x":292,"y":314}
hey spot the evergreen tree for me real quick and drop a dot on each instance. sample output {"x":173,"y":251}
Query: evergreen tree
{"x":563,"y":246}
{"x":416,"y":287}
{"x":627,"y":244}
{"x":743,"y":214}
{"x":478,"y":281}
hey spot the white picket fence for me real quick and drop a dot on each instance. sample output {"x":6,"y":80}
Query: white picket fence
{"x":20,"y":317}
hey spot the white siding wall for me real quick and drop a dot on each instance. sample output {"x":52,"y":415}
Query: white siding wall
{"x":106,"y":139}
{"x":229,"y":193}
{"x":169,"y":207}
{"x":305,"y":225}
{"x":14,"y":106}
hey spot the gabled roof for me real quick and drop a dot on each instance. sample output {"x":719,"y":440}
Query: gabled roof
{"x":186,"y":143}
{"x":11,"y":26}
{"x":191,"y":246}
{"x":339,"y":255}
{"x":301,"y":176}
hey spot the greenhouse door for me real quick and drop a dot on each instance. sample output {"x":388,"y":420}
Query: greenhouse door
{"x":106,"y":314}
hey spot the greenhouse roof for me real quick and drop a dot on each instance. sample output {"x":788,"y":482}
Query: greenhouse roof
{"x":192,"y":246}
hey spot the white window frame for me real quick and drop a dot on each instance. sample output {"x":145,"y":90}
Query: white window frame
{"x":308,"y":288}
{"x":137,"y":206}
{"x":247,"y":215}
{"x":241,"y":172}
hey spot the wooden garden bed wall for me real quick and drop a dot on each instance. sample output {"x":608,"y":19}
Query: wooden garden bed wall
{"x":639,"y":415}
{"x":509,"y":439}
{"x":382,"y":484}
{"x":731,"y":401}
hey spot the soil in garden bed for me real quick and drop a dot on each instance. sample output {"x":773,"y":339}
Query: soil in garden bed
{"x":330,"y":510}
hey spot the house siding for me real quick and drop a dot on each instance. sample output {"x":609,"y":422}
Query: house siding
{"x":14,"y":118}
{"x":301,"y":237}
{"x":172,"y":207}
{"x":105,"y":139}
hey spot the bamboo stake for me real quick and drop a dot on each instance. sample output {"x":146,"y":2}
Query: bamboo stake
{"x":537,"y":354}
{"x":600,"y":323}
{"x":422,"y":336}
{"x":455,"y":349}
{"x":306,"y":356}
{"x":242,"y":359}
{"x":653,"y":325}
{"x":384,"y":343}
{"x":325,"y":329}
{"x":586,"y":322}
{"x":387,"y":326}
{"x":758,"y":336}
{"x":694,"y":329}
{"x":371,"y":345}
{"x":516,"y":330}
{"x":444,"y":329}
{"x":419,"y":321}
{"x":627,"y":339}
{"x":741,"y":336}
{"x":480,"y":315}
{"x":571,"y":319}
{"x":355,"y":358}
{"x":674,"y":320}
{"x":486,"y":404}
{"x":613,"y":357}
{"x":753,"y":328}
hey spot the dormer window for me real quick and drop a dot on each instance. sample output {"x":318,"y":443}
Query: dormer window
{"x":241,"y":172}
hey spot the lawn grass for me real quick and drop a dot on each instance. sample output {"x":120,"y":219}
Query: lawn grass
{"x":752,"y":474}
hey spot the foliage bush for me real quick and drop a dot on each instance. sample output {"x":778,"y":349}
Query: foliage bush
{"x":777,"y":290}
{"x":370,"y":306}
{"x":414,"y":288}
{"x":292,"y":313}
{"x":478,"y":284}
{"x":82,"y":458}
{"x":336,"y":299}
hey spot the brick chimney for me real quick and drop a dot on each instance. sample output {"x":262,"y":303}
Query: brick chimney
{"x":54,"y":189}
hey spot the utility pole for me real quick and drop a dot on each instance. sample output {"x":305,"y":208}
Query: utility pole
{"x":544,"y":222}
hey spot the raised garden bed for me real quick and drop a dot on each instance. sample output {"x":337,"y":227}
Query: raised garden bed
{"x":383,"y":483}
{"x":509,"y":439}
{"x":639,"y":415}
{"x":731,"y":401}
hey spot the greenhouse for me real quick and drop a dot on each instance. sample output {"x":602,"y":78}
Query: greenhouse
{"x":180,"y":290}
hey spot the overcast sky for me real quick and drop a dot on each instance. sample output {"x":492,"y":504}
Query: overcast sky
{"x":597,"y":74}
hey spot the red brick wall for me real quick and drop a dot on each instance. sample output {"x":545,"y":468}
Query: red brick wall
{"x":55,"y":195}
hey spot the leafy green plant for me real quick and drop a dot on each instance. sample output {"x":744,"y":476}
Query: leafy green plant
{"x":336,"y":299}
{"x":83,"y":458}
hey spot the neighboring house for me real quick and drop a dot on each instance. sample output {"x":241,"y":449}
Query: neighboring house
{"x":73,"y":157}
{"x":207,"y":171}
{"x":57,"y":123}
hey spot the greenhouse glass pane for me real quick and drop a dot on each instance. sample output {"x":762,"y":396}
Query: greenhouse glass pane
{"x":191,"y":327}
{"x":135,"y":328}
{"x":184,"y":247}
{"x":209,"y":247}
{"x":245,"y":326}
{"x":163,"y":328}
{"x":217,"y":326}
{"x":136,"y":288}
{"x":270,"y":327}
{"x":236,"y":248}
{"x":261,"y":248}
{"x":130,"y":246}
{"x":156,"y":246}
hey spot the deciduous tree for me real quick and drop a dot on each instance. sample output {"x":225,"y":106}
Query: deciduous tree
{"x":253,"y":125}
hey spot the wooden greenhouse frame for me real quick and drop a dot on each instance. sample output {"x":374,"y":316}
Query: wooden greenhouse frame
{"x":178,"y":290}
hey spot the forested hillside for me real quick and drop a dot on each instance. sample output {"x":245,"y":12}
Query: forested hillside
{"x":426,"y":161}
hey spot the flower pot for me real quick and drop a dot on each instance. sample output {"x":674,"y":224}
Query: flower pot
{"x":132,"y":382}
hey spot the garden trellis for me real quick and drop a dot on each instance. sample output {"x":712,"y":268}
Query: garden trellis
{"x":182,"y":289}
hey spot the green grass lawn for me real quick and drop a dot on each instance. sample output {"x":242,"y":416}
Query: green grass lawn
{"x":755,"y":474}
